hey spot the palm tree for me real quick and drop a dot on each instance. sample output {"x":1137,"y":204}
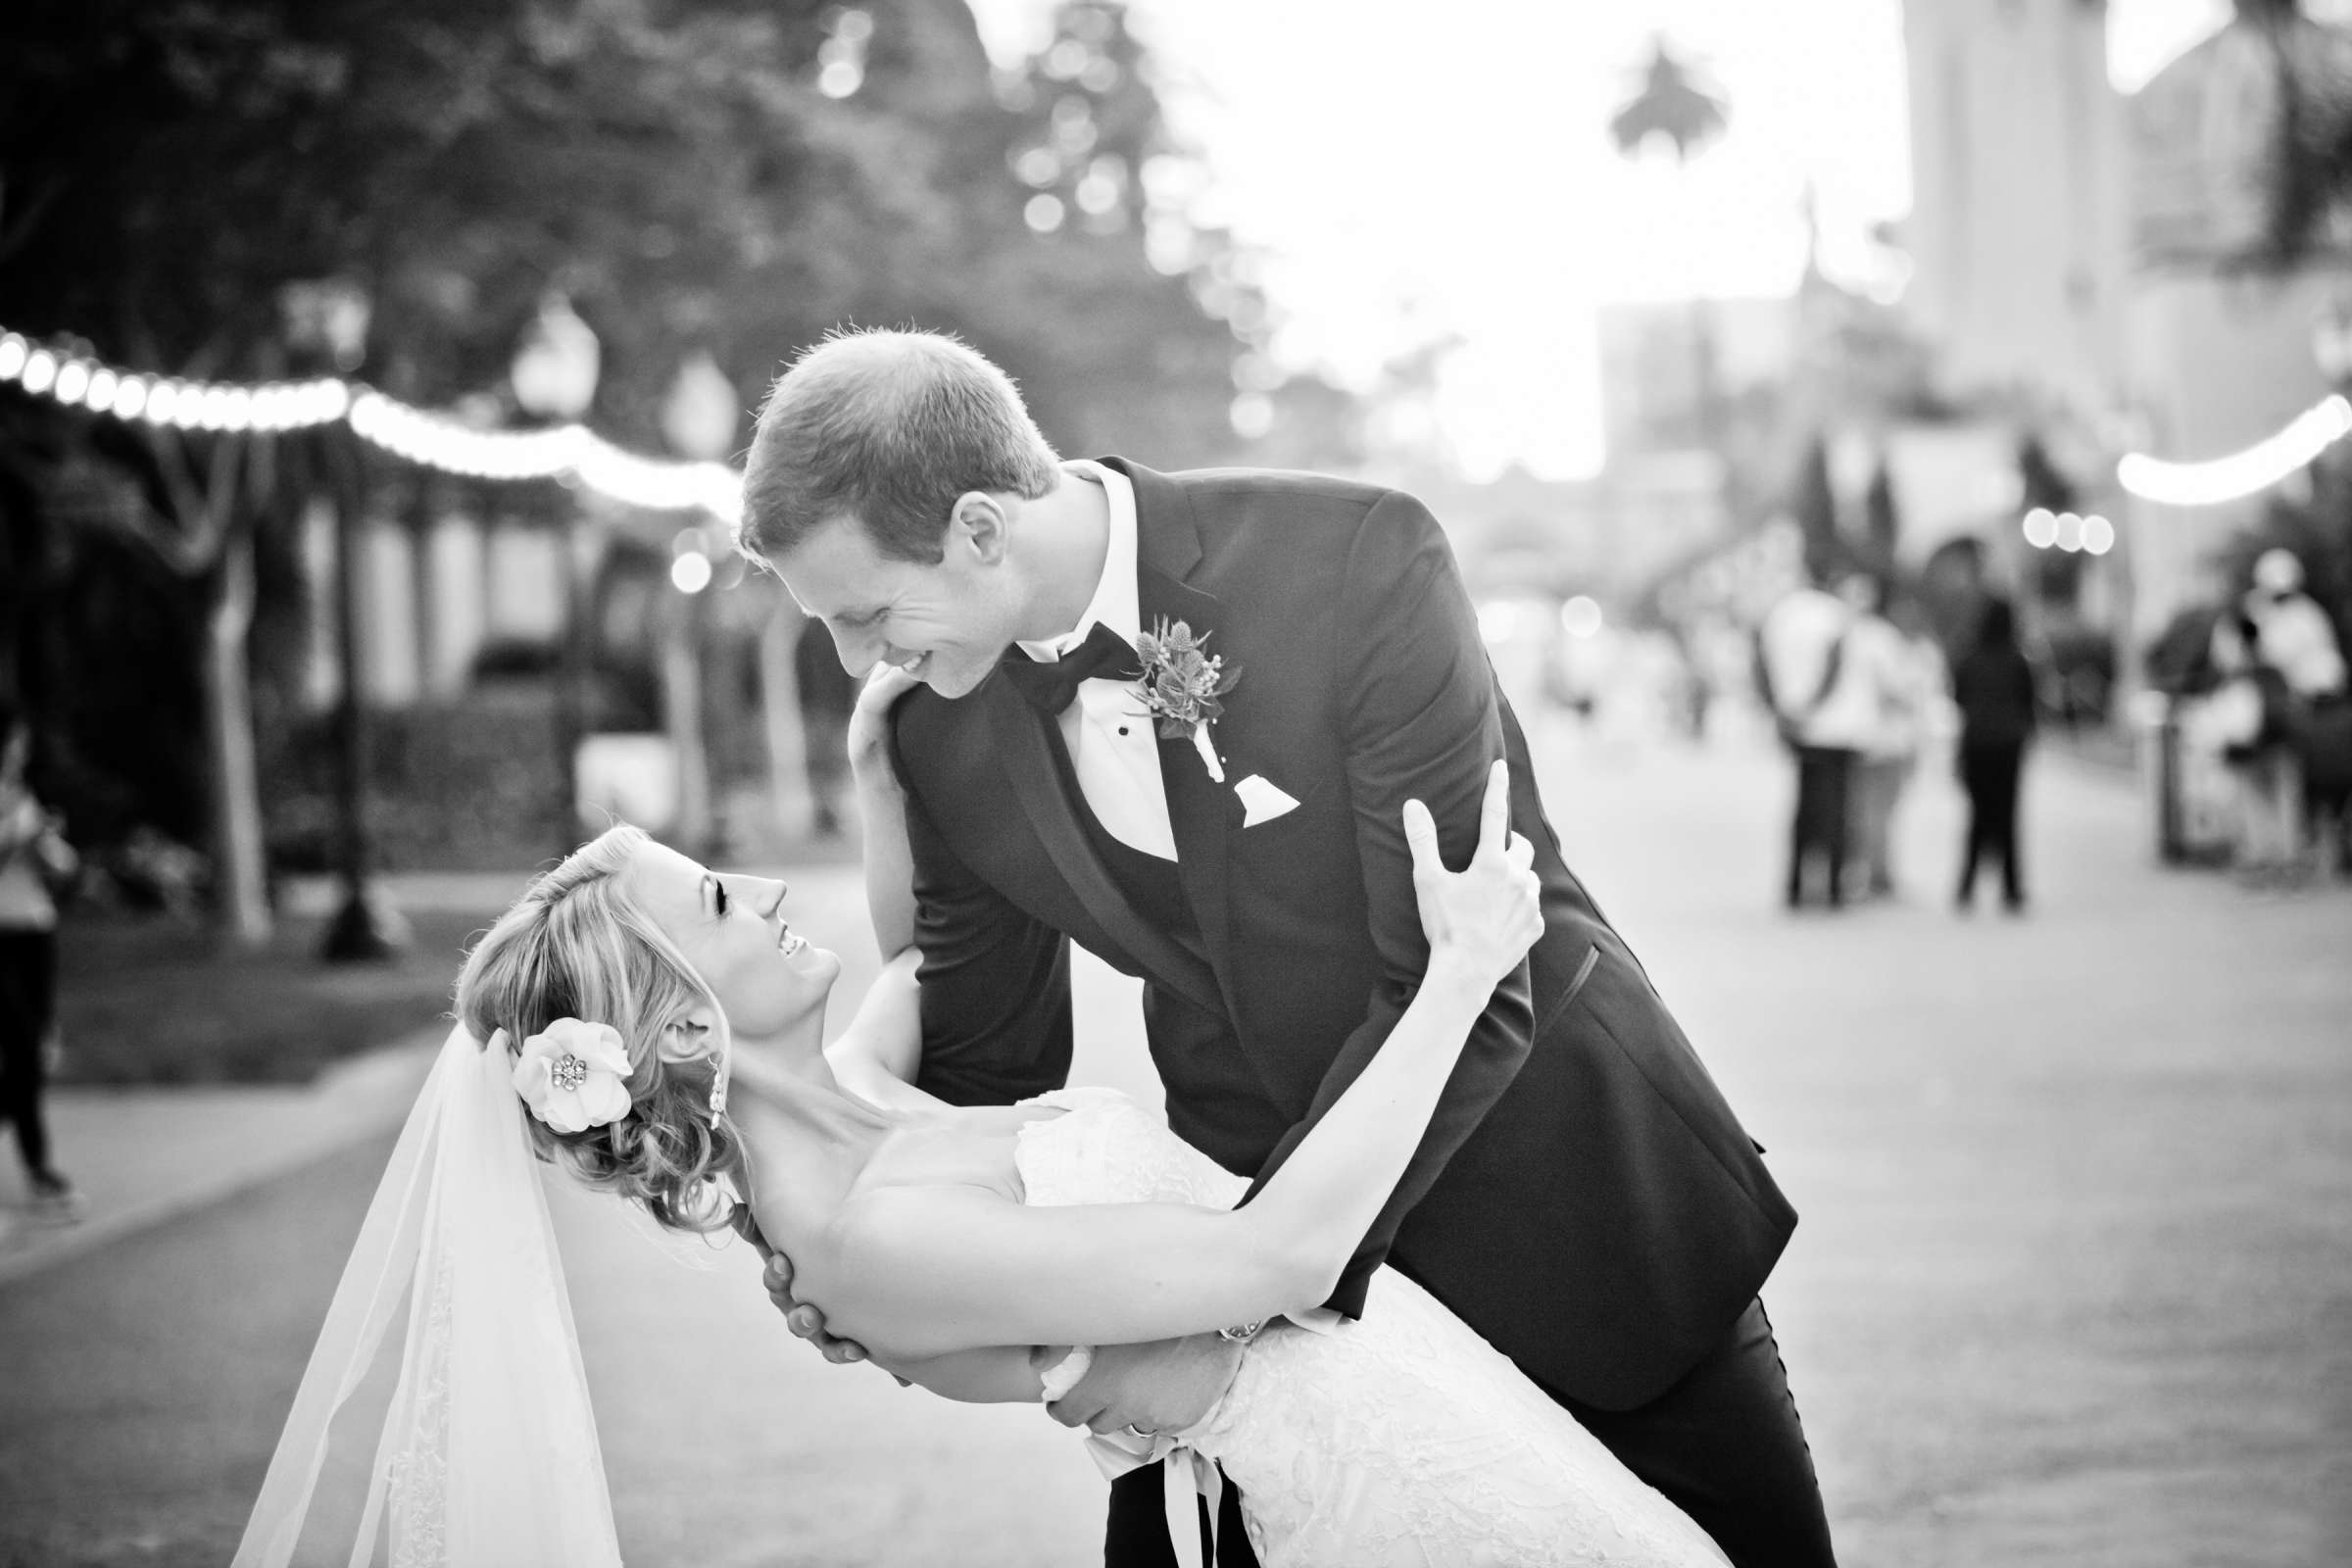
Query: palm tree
{"x":1673,"y":105}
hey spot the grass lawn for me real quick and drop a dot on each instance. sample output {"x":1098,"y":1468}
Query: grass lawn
{"x":153,"y":1001}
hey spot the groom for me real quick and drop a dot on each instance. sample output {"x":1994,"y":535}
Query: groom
{"x":1231,"y":833}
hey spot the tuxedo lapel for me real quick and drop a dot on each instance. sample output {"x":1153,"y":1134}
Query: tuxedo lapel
{"x":1201,"y":811}
{"x":1025,"y":749}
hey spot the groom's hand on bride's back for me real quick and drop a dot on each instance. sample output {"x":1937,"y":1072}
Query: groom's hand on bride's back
{"x":1165,"y":1386}
{"x":802,"y":1318}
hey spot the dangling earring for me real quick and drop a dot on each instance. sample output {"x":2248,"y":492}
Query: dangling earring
{"x":718,"y":1081}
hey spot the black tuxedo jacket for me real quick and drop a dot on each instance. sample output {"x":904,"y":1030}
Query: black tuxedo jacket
{"x":1584,"y":1196}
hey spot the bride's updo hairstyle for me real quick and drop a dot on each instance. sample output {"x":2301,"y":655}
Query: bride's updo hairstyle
{"x":576,"y":945}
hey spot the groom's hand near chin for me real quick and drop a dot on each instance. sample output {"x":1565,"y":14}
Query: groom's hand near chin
{"x":1161,"y":1387}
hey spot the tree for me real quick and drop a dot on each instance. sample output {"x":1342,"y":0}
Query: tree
{"x":2309,"y":162}
{"x":1813,"y":503}
{"x":1674,"y":107}
{"x":1882,"y":524}
{"x":730,"y":175}
{"x":1122,"y":319}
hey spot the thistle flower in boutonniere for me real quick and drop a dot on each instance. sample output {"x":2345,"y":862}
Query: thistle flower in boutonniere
{"x":1182,"y":682}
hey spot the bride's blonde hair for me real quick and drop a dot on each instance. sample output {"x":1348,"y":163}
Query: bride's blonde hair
{"x":576,"y":945}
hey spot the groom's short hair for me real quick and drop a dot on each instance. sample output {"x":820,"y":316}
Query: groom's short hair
{"x":886,"y":427}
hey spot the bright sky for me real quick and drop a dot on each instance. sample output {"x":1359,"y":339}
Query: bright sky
{"x":1453,"y":173}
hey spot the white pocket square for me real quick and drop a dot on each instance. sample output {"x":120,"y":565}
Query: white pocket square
{"x":1262,"y":802}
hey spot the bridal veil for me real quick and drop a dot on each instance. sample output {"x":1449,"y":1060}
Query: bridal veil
{"x":488,"y":1456}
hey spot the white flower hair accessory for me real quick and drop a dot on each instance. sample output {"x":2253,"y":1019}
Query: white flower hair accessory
{"x":574,"y":1075}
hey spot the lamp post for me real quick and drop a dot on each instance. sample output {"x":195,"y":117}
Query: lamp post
{"x":327,"y":320}
{"x":699,"y":416}
{"x":554,"y":377}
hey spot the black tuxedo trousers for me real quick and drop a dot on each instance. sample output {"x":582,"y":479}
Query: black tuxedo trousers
{"x":1584,"y":1196}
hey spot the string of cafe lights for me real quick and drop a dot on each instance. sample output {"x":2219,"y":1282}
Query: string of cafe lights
{"x":2244,"y":473}
{"x":570,"y":452}
{"x":574,"y":452}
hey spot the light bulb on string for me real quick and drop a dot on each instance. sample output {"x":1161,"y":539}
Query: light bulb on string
{"x":2242,"y":473}
{"x":570,"y":453}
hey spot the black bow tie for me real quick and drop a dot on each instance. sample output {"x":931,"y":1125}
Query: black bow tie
{"x":1052,"y":687}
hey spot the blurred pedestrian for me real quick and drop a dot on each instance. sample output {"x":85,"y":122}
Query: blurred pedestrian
{"x":2293,"y":633}
{"x":1822,"y":692}
{"x":2300,"y":670}
{"x":1994,"y":686}
{"x":2254,"y":724}
{"x":1887,"y":666}
{"x":32,"y":854}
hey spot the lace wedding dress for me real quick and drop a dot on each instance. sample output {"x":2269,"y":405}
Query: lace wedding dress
{"x":1400,"y":1439}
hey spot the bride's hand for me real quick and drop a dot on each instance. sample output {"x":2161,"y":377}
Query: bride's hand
{"x":869,"y":726}
{"x":1484,"y":916}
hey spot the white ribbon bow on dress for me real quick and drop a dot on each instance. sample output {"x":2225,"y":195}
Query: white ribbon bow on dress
{"x":1186,"y":1472}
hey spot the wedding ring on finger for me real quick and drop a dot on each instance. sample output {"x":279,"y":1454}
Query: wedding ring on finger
{"x":1137,"y":1432}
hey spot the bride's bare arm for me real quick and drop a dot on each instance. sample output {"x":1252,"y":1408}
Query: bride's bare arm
{"x":876,"y":1056}
{"x":882,"y":804}
{"x":922,"y":1271}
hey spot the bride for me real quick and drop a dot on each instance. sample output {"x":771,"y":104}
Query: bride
{"x":655,"y":1030}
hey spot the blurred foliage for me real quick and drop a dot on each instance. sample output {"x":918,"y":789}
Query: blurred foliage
{"x":1813,"y":503}
{"x":2309,"y":160}
{"x":171,"y":165}
{"x":1672,"y":106}
{"x":471,"y":783}
{"x":732,"y":175}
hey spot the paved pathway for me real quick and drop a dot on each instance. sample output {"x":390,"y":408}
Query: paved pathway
{"x":2073,"y":1284}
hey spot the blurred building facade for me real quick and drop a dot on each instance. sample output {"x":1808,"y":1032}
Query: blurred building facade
{"x":2080,"y":277}
{"x":1661,"y":364}
{"x":2016,"y":232}
{"x":1608,"y":536}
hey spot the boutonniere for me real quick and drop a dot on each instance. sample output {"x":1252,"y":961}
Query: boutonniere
{"x":1182,"y":683}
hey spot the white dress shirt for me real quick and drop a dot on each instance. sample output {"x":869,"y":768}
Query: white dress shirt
{"x":1113,"y":746}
